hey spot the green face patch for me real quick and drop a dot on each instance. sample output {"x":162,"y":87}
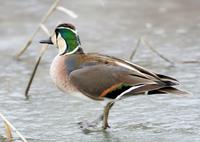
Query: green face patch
{"x":71,"y":39}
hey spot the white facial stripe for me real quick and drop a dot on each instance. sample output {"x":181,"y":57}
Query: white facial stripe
{"x":74,"y":31}
{"x":73,"y":51}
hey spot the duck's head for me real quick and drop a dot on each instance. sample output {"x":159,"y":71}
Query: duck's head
{"x":65,"y":38}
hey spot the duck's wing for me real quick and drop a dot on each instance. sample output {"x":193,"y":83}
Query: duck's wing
{"x":103,"y":80}
{"x":147,"y":72}
{"x":134,"y":67}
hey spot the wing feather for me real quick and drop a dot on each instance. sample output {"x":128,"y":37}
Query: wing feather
{"x":99,"y":76}
{"x":97,"y":81}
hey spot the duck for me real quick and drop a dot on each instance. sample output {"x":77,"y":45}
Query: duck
{"x":100,"y":77}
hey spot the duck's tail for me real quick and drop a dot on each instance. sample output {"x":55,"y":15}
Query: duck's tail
{"x":170,"y":90}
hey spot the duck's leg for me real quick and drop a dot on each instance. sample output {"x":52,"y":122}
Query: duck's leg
{"x":92,"y":126}
{"x":104,"y":116}
{"x":106,"y":113}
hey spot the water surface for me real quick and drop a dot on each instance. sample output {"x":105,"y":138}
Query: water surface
{"x":109,"y":27}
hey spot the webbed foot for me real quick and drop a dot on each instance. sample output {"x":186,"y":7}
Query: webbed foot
{"x":88,"y":127}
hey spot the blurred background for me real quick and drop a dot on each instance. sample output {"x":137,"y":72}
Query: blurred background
{"x":110,"y":27}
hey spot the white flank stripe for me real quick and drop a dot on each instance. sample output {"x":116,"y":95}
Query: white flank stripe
{"x":127,"y":91}
{"x":67,"y":11}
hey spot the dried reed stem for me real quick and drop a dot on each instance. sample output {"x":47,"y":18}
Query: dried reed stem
{"x":44,"y":28}
{"x":144,"y":42}
{"x":135,"y":50}
{"x":156,"y":52}
{"x":9,"y":136}
{"x":189,"y":62}
{"x":44,"y":19}
{"x":12,"y":127}
{"x":42,"y":51}
{"x":67,"y":11}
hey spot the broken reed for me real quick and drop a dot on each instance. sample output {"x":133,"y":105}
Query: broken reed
{"x":52,"y":9}
{"x":42,"y":27}
{"x":9,"y":127}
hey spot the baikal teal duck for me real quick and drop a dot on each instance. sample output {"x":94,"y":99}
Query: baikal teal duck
{"x":97,"y":77}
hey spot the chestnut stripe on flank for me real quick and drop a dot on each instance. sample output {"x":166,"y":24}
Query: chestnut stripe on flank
{"x":108,"y":90}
